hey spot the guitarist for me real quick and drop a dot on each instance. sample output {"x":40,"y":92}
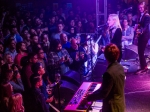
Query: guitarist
{"x":143,"y":35}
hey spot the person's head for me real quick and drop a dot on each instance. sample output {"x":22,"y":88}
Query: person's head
{"x":7,"y":90}
{"x":24,"y":32}
{"x":29,"y":23}
{"x":113,"y":21}
{"x":57,"y":45}
{"x":21,"y":47}
{"x":12,"y":44}
{"x":37,"y":68}
{"x":63,"y":38}
{"x":60,"y":27}
{"x":52,"y":19}
{"x":22,"y":22}
{"x":8,"y":75}
{"x":33,"y":58}
{"x":72,"y":23}
{"x":125,"y":22}
{"x":2,"y":62}
{"x":33,"y":32}
{"x":1,"y":48}
{"x":40,"y":53}
{"x":27,"y":37}
{"x":37,"y":21}
{"x":8,"y":58}
{"x":142,"y":7}
{"x":13,"y":29}
{"x":91,"y":25}
{"x":41,"y":15}
{"x":118,"y":6}
{"x":15,"y":67}
{"x":72,"y":30}
{"x":45,"y":37}
{"x":79,"y":24}
{"x":16,"y":75}
{"x":74,"y":44}
{"x":36,"y":80}
{"x":1,"y":33}
{"x":13,"y":22}
{"x":16,"y":103}
{"x":111,"y":53}
{"x":129,"y":16}
{"x":35,"y":39}
{"x":71,"y":13}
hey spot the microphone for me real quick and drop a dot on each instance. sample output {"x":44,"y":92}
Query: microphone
{"x":102,"y":25}
{"x":130,"y":8}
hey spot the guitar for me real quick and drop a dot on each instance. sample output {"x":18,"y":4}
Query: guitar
{"x":138,"y":29}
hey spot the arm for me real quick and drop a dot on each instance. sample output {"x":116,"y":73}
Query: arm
{"x":2,"y":22}
{"x":17,"y":87}
{"x":51,"y":60}
{"x":130,"y":36}
{"x":146,"y":23}
{"x":95,"y":48}
{"x":69,"y":60}
{"x":105,"y":89}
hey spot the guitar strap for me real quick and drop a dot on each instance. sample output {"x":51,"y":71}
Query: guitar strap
{"x":141,"y":20}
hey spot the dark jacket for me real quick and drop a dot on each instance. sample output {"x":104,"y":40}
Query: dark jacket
{"x":35,"y":101}
{"x":117,"y":37}
{"x":112,"y":89}
{"x":145,"y":25}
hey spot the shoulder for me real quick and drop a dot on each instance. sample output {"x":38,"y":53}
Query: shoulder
{"x":51,"y":53}
{"x":118,"y":29}
{"x":147,"y":16}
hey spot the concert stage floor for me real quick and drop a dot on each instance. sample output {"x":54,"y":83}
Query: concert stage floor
{"x":137,"y":93}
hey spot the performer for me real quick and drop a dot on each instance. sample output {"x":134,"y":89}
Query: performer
{"x":143,"y":34}
{"x":115,"y":32}
{"x":112,"y":89}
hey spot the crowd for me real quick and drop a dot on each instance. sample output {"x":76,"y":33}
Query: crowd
{"x":34,"y":46}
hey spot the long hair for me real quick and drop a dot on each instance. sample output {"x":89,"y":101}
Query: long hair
{"x":116,"y":19}
{"x":144,"y":4}
{"x":16,"y":103}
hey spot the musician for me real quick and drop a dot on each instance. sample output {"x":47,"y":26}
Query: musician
{"x":143,"y":35}
{"x":112,"y":89}
{"x":115,"y":32}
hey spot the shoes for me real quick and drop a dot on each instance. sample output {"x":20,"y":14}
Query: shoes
{"x":142,"y":71}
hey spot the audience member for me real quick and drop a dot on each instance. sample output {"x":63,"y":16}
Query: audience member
{"x":127,"y":33}
{"x":11,"y":48}
{"x":79,"y":57}
{"x":60,"y":27}
{"x":64,"y":41}
{"x":59,"y":58}
{"x":22,"y":51}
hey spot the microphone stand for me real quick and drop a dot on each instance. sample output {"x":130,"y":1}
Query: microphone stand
{"x":79,"y":62}
{"x":58,"y":83}
{"x":91,"y":55}
{"x":59,"y":103}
